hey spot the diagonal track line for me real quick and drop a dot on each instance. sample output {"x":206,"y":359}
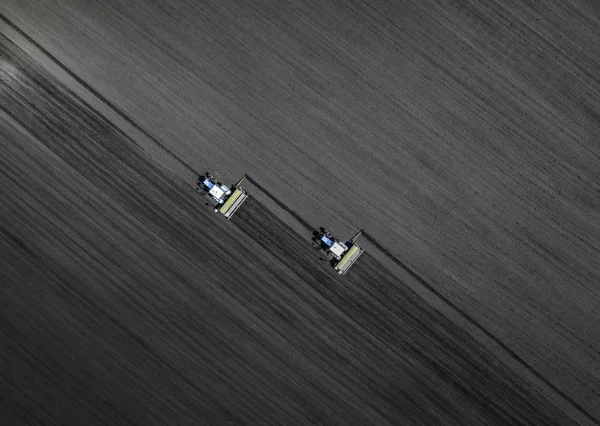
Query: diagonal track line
{"x":97,"y":94}
{"x":303,"y":222}
{"x":443,"y":298}
{"x":280,"y":204}
{"x":473,"y":322}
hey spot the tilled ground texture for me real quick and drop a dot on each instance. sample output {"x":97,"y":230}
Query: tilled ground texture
{"x":126,"y":300}
{"x":462,"y":135}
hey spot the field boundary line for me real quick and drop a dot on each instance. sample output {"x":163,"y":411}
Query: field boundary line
{"x":96,"y":94}
{"x":440,"y":296}
{"x":297,"y":217}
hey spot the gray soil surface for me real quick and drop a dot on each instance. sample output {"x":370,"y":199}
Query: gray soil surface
{"x":463,"y":138}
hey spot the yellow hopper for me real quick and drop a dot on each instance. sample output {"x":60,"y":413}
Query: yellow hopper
{"x":350,"y":257}
{"x":234,"y":201}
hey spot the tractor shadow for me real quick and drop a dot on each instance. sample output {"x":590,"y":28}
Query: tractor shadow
{"x":315,"y":237}
{"x":315,"y":243}
{"x":200,"y":188}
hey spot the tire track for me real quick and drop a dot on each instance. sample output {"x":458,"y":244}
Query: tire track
{"x":62,"y":122}
{"x":438,"y":294}
{"x":97,"y":94}
{"x":305,"y":271}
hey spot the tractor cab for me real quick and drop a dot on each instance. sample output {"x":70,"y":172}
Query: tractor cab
{"x":332,"y":246}
{"x":216,"y":190}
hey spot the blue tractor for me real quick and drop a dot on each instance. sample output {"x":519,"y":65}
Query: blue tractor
{"x":228,"y":199}
{"x":344,"y":254}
